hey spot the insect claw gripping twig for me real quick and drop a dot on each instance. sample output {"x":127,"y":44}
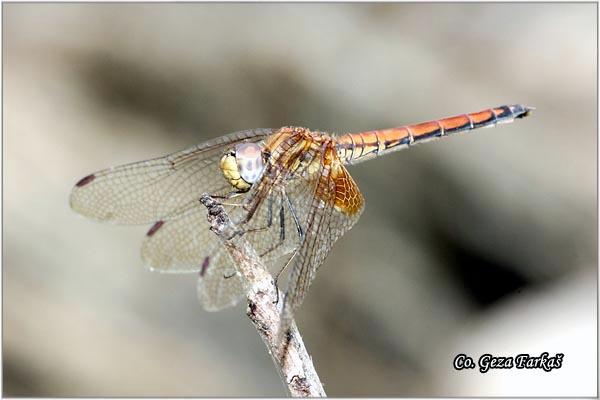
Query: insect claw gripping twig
{"x":291,"y":359}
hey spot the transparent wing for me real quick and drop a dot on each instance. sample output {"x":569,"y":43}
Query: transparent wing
{"x":219,"y":286}
{"x":275,"y":229}
{"x":323,"y":203}
{"x":180,"y":244}
{"x":334,"y":208}
{"x":279,"y":209}
{"x":186,"y":244}
{"x":157,"y":189}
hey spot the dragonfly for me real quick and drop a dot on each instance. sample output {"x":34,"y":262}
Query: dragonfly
{"x":287,"y":189}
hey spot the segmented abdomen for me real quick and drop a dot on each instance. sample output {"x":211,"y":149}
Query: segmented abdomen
{"x":357,"y":147}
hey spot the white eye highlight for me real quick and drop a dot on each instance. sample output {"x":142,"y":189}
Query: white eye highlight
{"x":250,"y":161}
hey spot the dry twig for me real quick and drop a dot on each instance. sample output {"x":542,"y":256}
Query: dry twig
{"x":294,"y":366}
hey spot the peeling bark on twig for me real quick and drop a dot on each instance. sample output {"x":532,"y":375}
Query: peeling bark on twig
{"x":294,"y":365}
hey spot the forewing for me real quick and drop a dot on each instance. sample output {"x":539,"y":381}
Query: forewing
{"x":180,"y":244}
{"x":157,"y":189}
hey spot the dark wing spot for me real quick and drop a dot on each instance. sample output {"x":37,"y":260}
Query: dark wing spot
{"x":154,"y":228}
{"x":205,"y":264}
{"x":85,"y":180}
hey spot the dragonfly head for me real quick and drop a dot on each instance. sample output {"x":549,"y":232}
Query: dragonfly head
{"x":243,"y":166}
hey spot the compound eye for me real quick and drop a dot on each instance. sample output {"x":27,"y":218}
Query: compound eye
{"x":250,"y":161}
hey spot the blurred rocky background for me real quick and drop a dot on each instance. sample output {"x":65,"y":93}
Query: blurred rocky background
{"x":482,"y":243}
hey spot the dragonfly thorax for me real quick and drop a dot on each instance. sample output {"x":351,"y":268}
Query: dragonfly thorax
{"x":243,"y":166}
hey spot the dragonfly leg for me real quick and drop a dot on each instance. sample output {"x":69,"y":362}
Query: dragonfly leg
{"x":295,"y":217}
{"x":300,"y":237}
{"x":227,"y":196}
{"x":281,"y":231}
{"x":281,"y":241}
{"x":278,"y":274}
{"x":269,"y":219}
{"x":282,"y":224}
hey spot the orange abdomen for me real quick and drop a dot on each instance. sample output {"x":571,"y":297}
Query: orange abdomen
{"x":357,"y":147}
